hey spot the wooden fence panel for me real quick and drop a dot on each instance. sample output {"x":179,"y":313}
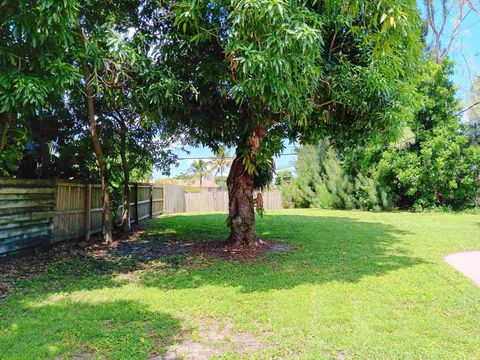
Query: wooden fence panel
{"x":157,"y":200}
{"x":35,"y":213}
{"x":26,"y":214}
{"x":69,"y":219}
{"x":150,"y":202}
{"x":221,"y":201}
{"x":198,"y":202}
{"x":144,"y":203}
{"x":174,"y":196}
{"x":272,"y":200}
{"x":96,"y":221}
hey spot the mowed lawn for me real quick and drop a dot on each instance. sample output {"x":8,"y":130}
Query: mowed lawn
{"x":353,"y":285}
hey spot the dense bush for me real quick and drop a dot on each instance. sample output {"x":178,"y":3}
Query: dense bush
{"x":323,"y":182}
{"x":442,"y":172}
{"x":440,"y":167}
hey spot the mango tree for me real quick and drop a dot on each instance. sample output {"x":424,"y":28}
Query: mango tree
{"x":258,"y":72}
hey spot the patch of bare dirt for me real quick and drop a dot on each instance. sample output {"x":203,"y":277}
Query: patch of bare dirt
{"x":225,"y":251}
{"x":211,"y":338}
{"x":85,"y":355}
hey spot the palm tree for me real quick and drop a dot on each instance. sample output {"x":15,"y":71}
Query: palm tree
{"x":200,"y":170}
{"x":222,"y":160}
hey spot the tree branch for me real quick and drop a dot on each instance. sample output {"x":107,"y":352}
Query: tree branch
{"x":468,"y":108}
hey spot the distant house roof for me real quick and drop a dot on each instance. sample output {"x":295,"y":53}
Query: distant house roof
{"x":205,"y":183}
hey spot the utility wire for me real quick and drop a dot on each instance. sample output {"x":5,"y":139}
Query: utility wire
{"x":229,"y":157}
{"x":361,"y":147}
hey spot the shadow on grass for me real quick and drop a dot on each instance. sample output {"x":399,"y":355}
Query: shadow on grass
{"x":79,"y":330}
{"x":326,"y":249}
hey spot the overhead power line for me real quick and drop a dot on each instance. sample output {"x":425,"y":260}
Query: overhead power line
{"x":230,"y":157}
{"x":386,"y":147}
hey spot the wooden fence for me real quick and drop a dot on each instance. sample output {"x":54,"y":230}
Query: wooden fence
{"x":78,"y":210}
{"x":218,"y":201}
{"x":37,"y":213}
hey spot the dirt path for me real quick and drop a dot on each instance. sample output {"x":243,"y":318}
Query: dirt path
{"x":468,"y":263}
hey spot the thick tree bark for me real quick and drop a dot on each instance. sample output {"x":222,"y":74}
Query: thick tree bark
{"x":241,"y":211}
{"x":126,"y":179}
{"x":241,"y":208}
{"x":107,"y":214}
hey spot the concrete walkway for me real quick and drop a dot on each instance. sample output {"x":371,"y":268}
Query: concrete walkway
{"x":468,"y":263}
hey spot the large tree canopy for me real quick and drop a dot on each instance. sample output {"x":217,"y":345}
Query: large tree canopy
{"x":258,"y":72}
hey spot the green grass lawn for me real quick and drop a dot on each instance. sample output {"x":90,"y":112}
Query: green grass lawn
{"x":354,"y":285}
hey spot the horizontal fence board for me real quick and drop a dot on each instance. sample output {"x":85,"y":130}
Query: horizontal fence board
{"x":144,"y":217}
{"x":19,"y":183}
{"x":68,"y":212}
{"x":24,"y":217}
{"x":95,"y":230}
{"x":16,"y":190}
{"x":10,"y":236}
{"x":15,"y":224}
{"x":26,"y":197}
{"x":22,"y":204}
{"x":70,"y":183}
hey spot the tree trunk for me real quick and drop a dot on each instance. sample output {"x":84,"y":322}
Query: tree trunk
{"x":107,"y":214}
{"x":126,"y":179}
{"x":241,"y":208}
{"x":126,"y":204}
{"x":241,"y":211}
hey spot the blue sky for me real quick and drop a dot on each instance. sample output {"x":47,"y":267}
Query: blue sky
{"x":465,"y":53}
{"x":282,"y":162}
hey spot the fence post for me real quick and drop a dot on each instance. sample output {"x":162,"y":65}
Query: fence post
{"x":136,"y":202}
{"x":151,"y":201}
{"x":88,"y":205}
{"x":51,"y":230}
{"x":164,"y":193}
